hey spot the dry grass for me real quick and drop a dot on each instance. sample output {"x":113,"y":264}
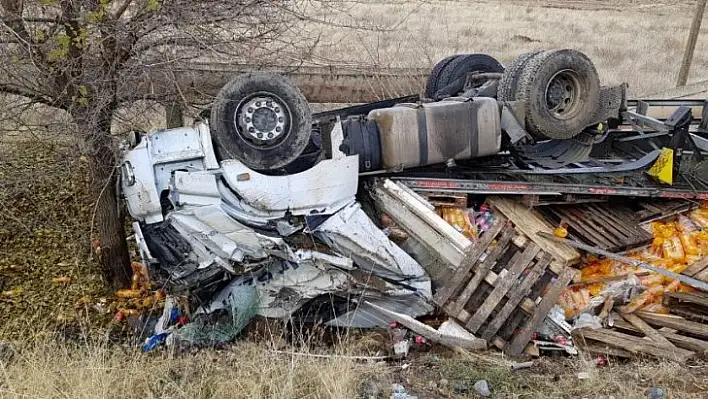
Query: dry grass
{"x":247,"y":370}
{"x":49,"y":370}
{"x":640,"y":42}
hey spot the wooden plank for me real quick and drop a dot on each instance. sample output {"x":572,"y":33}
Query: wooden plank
{"x":516,"y":295}
{"x":675,"y":322}
{"x":530,"y":222}
{"x":682,"y":341}
{"x":689,"y":314}
{"x":605,"y":350}
{"x":588,"y":229}
{"x":434,"y":241}
{"x":502,"y":288}
{"x":614,"y":221}
{"x":702,"y":276}
{"x":608,"y":225}
{"x":629,"y":235}
{"x":431,"y":333}
{"x":696,"y":267}
{"x":471,"y":258}
{"x":481,"y":271}
{"x":548,"y":301}
{"x":647,"y":330}
{"x":429,"y":216}
{"x":687,"y":297}
{"x":578,"y":227}
{"x":633,"y":344}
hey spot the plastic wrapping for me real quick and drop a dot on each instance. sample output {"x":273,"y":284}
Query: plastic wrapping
{"x":460,"y":219}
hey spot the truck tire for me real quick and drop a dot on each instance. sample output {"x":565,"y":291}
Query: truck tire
{"x":561,"y":89}
{"x":510,"y":79}
{"x":456,"y":67}
{"x":432,"y":83}
{"x":262,"y":120}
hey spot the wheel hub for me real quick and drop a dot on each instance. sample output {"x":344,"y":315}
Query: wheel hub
{"x":562,"y":94}
{"x":262,"y":119}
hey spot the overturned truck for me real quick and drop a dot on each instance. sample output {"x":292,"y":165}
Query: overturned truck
{"x":261,"y":194}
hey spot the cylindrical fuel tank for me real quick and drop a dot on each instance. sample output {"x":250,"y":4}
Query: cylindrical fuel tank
{"x":423,"y":134}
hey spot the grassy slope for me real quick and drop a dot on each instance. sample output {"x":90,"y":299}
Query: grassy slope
{"x":638,"y":42}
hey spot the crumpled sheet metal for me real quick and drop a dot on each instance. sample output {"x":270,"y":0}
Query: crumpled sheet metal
{"x":283,"y":287}
{"x":368,"y":266}
{"x":352,"y":233}
{"x":213,"y":233}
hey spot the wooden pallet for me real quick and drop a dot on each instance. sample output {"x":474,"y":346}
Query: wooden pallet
{"x":599,"y":226}
{"x":530,"y":222}
{"x":691,"y":306}
{"x":698,"y":270}
{"x":533,"y":200}
{"x":660,"y":209}
{"x":504,"y":288}
{"x":615,"y":343}
{"x":446,"y":199}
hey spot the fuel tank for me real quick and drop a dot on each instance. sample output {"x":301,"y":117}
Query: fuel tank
{"x":423,"y":134}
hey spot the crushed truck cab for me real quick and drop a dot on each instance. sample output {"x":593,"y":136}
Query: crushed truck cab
{"x":174,"y":168}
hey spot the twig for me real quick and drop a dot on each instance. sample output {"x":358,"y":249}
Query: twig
{"x":331,"y":356}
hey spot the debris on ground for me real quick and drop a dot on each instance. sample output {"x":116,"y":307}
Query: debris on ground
{"x":7,"y":353}
{"x":482,"y":388}
{"x":399,"y":392}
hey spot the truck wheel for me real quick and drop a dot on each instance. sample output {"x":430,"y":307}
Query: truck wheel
{"x":510,"y":79}
{"x":457,"y":67}
{"x":262,"y":120}
{"x":432,"y":83}
{"x":561,"y":89}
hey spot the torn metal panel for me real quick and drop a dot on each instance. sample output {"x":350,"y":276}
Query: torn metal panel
{"x":238,"y":209}
{"x":439,"y":238}
{"x":449,"y":334}
{"x":286,"y":287}
{"x":323,"y":189}
{"x":138,"y":185}
{"x":283,"y":287}
{"x":351,"y":233}
{"x":210,"y":228}
{"x":195,"y":189}
{"x":365,"y":311}
{"x":178,"y":261}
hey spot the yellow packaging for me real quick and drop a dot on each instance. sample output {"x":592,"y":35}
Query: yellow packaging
{"x":700,"y":217}
{"x":673,"y":249}
{"x":459,"y":219}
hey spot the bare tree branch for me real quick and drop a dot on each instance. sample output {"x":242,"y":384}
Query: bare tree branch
{"x":122,"y":9}
{"x":35,"y":97}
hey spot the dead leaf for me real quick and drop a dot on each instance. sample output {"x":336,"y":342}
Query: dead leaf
{"x":65,"y":280}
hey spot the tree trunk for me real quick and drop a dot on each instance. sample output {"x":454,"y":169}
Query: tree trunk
{"x":109,"y":220}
